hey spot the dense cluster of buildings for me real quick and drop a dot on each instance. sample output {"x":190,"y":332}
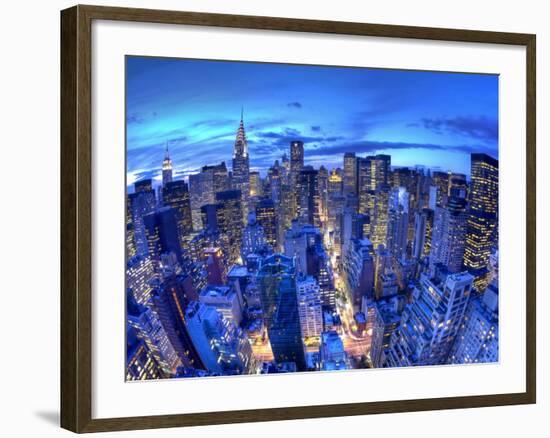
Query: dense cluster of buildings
{"x":302,"y":269}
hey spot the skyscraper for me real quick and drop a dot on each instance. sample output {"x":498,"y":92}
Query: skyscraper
{"x":449,"y":234}
{"x":229,"y":217}
{"x":441,"y":182}
{"x":358,"y":269}
{"x":379,"y":219}
{"x":266,"y":216}
{"x":477,"y":339}
{"x":162,"y":231}
{"x":308,"y":196}
{"x":296,"y":160}
{"x":166,"y":168}
{"x":201,"y":192}
{"x":423,"y":227}
{"x":142,"y":202}
{"x":170,"y":303}
{"x":241,"y":168}
{"x":483,"y":215}
{"x":140,"y":274}
{"x":149,"y":328}
{"x":175,"y":194}
{"x":380,"y":171}
{"x":364,"y":169}
{"x":350,"y":173}
{"x":255,"y":184}
{"x":141,"y":363}
{"x":429,"y":325}
{"x":277,"y":282}
{"x":254,"y":241}
{"x":309,"y":306}
{"x":398,"y":223}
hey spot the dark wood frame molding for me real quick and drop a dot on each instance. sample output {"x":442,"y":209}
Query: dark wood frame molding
{"x":76,"y":238}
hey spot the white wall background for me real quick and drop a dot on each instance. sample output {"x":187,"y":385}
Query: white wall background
{"x":29,"y":223}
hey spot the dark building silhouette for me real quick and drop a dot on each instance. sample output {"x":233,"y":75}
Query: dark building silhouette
{"x":161,"y":229}
{"x":277,"y":283}
{"x":175,"y":194}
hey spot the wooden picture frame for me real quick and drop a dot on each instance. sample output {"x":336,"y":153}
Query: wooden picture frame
{"x":76,"y":217}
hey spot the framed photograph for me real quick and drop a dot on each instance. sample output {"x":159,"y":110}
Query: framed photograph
{"x":270,"y":218}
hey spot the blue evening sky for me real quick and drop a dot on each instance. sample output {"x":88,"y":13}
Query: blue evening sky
{"x":433,"y":119}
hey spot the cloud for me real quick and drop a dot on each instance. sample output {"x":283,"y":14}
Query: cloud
{"x":291,"y":134}
{"x":297,"y":105}
{"x":133,"y":119}
{"x":479,"y":128}
{"x":139,"y":118}
{"x":371,"y":147}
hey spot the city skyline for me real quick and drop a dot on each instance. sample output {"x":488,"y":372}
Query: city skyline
{"x":323,"y":261}
{"x":197,"y":103}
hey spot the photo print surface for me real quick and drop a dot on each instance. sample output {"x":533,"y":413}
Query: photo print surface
{"x":289,"y":218}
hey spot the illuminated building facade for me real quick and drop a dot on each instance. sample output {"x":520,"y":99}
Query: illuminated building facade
{"x":309,"y":306}
{"x":241,"y":168}
{"x":482,"y":216}
{"x":175,"y":194}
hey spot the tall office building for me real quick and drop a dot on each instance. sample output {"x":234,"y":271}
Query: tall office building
{"x":335,"y":186}
{"x":350,"y":173}
{"x":449,"y":234}
{"x":296,"y":160}
{"x":229,"y":218}
{"x":440,"y":180}
{"x":267,"y":217}
{"x":322,"y":187}
{"x":482,"y":217}
{"x":162,"y":231}
{"x":398,"y":226}
{"x":364,"y":168}
{"x":175,"y":194}
{"x":140,"y":275}
{"x":201,"y":192}
{"x":458,"y":185}
{"x":220,"y":176}
{"x":216,"y":265}
{"x":254,"y":241}
{"x":423,"y":227}
{"x":430,"y":324}
{"x":241,"y":168}
{"x":296,"y":165}
{"x":166,"y":168}
{"x":149,"y":328}
{"x":170,"y":303}
{"x":309,"y":306}
{"x":141,"y":363}
{"x":255,"y":184}
{"x":379,"y":218}
{"x":277,"y":283}
{"x":358,"y":270}
{"x":308,"y":196}
{"x":477,"y":339}
{"x":142,"y":202}
{"x":384,"y":318}
{"x":380,"y":171}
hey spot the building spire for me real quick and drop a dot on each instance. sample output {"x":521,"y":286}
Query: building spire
{"x":241,"y":145}
{"x":166,"y":167}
